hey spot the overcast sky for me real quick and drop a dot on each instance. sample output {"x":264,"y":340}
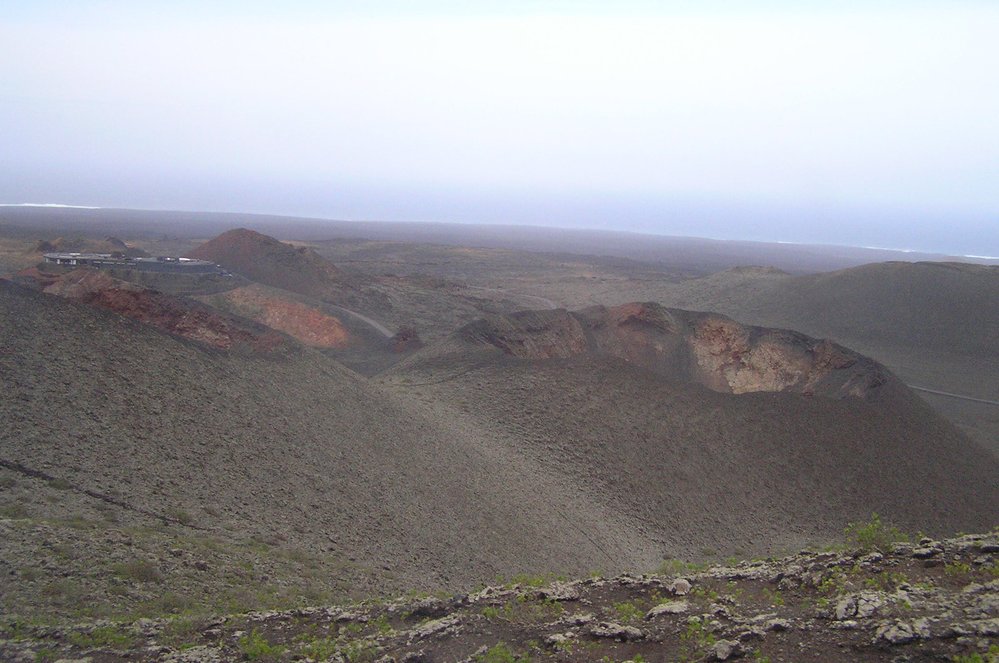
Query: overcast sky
{"x":868,"y":123}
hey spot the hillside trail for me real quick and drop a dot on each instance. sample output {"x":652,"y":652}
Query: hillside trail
{"x":560,"y":517}
{"x":377,"y":326}
{"x":952,"y":395}
{"x":547,"y":303}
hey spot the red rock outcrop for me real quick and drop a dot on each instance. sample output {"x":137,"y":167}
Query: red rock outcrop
{"x":176,"y":315}
{"x":530,"y":334}
{"x":719,"y":353}
{"x":304,"y":323}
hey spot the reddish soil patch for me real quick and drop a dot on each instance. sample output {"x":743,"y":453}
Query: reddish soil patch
{"x":302,"y":322}
{"x":176,"y":315}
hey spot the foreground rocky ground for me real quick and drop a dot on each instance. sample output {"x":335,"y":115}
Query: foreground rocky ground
{"x":924,"y":601}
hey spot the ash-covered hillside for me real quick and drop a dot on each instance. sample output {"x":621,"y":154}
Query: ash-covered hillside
{"x":642,"y":405}
{"x":144,"y":465}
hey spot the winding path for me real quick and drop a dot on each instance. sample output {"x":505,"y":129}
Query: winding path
{"x":377,"y":326}
{"x":544,"y":300}
{"x":949,"y":394}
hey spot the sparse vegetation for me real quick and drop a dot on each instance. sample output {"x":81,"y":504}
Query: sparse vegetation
{"x":874,"y":534}
{"x":319,"y":649}
{"x":254,"y":646}
{"x":138,"y":570}
{"x":182,"y":631}
{"x":103,"y":637}
{"x":180,"y":515}
{"x":886,"y":581}
{"x":697,"y":639}
{"x":628,"y":611}
{"x":773,"y":596}
{"x":500,"y":653}
{"x":13,"y":511}
{"x":991,"y":656}
{"x":957,"y":569}
{"x":678,"y":567}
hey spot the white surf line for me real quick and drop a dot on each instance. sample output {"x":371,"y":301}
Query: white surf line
{"x":47,"y":205}
{"x":949,"y":394}
{"x":377,"y":326}
{"x":544,"y":300}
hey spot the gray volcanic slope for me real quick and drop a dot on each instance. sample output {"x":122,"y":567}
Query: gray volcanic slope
{"x":941,"y":307}
{"x":935,"y":324}
{"x":467,"y":462}
{"x":703,"y":469}
{"x":291,"y":445}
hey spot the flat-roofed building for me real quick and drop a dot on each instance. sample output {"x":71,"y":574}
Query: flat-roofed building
{"x":118,"y":261}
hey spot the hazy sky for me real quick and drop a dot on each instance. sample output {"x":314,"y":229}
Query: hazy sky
{"x":872,"y":123}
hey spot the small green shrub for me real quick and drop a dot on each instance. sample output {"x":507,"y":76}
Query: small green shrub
{"x":672,"y":567}
{"x":526,"y":580}
{"x":65,"y":592}
{"x":991,"y":656}
{"x":957,"y":569}
{"x":29,"y":574}
{"x":358,"y":651}
{"x":15,"y":511}
{"x":319,"y":649}
{"x":874,"y":534}
{"x":705,"y":593}
{"x":139,"y":570}
{"x":628,"y":611}
{"x":181,"y":516}
{"x":774,"y":597}
{"x":499,"y":653}
{"x":255,"y":646}
{"x":104,"y":637}
{"x":382,"y":625}
{"x":886,"y":581}
{"x":834,"y":583}
{"x":46,"y":655}
{"x":697,"y":640}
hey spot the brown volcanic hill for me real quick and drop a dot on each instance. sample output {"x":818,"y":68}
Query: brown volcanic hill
{"x":935,"y":324}
{"x":706,"y":348}
{"x":941,"y":307}
{"x":88,"y":245}
{"x":642,"y":404}
{"x":271,"y":262}
{"x":176,"y":315}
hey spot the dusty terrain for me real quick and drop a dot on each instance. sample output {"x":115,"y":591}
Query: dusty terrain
{"x":928,"y":601}
{"x":453,"y":468}
{"x":933,"y":324}
{"x":346,"y":419}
